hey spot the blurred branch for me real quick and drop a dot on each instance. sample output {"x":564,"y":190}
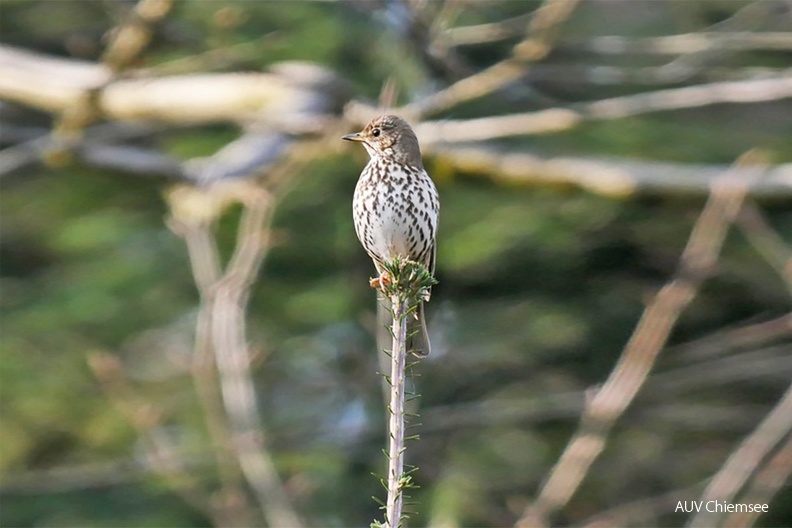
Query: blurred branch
{"x":222,"y":327}
{"x":727,"y":340}
{"x":145,"y":419}
{"x":772,"y":364}
{"x":229,"y":299}
{"x":130,"y":38}
{"x":607,"y":74}
{"x":641,"y":512}
{"x":736,"y":92}
{"x":610,"y":401}
{"x":96,"y":148}
{"x":560,"y":119}
{"x":285,"y":96}
{"x":614,"y":177}
{"x":690,"y":43}
{"x":766,"y":241}
{"x":490,"y":32}
{"x":542,"y":30}
{"x":77,"y":477}
{"x":207,"y":271}
{"x":441,"y":60}
{"x":743,"y":462}
{"x":764,"y":485}
{"x":221,"y":335}
{"x":214,"y":58}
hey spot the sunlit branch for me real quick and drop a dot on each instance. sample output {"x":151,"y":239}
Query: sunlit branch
{"x":609,"y":402}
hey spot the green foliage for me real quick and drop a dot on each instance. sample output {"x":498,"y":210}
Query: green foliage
{"x":408,"y":280}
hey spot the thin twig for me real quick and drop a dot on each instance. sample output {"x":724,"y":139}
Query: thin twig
{"x":742,"y":463}
{"x":489,"y":32}
{"x":640,"y":353}
{"x":597,"y":75}
{"x":686,"y":43}
{"x":766,"y":240}
{"x":542,"y":29}
{"x":767,"y":365}
{"x":755,"y":334}
{"x":643,"y":512}
{"x":553,"y":120}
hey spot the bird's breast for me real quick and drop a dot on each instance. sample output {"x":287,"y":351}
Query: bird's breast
{"x":395,"y":212}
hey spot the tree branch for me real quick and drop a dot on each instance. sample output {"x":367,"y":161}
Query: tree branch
{"x":611,"y":177}
{"x":764,"y":485}
{"x":222,"y":326}
{"x":641,"y":351}
{"x":281,"y":97}
{"x":538,"y":42}
{"x":559,"y":119}
{"x":742,"y":463}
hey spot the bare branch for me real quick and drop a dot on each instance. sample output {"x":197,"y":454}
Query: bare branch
{"x":742,"y":463}
{"x":441,"y":60}
{"x":559,"y":119}
{"x":612,"y":177}
{"x":281,"y":97}
{"x":730,"y":339}
{"x":736,"y":92}
{"x":541,"y":32}
{"x":641,"y":512}
{"x":610,"y":75}
{"x":221,"y":327}
{"x":129,"y":39}
{"x":639,"y":355}
{"x":766,"y":241}
{"x":771,"y":365}
{"x":690,"y":43}
{"x":490,"y":32}
{"x":764,"y":486}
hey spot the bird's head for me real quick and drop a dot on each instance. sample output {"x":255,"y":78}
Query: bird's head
{"x":389,"y":137}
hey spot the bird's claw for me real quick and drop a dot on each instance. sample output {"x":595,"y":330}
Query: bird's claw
{"x":379,"y":283}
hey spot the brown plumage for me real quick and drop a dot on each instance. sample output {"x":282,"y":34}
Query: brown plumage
{"x":396,"y":209}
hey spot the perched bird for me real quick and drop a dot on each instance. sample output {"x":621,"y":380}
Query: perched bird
{"x":396,"y":211}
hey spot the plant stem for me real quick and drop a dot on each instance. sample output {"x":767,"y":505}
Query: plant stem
{"x":396,"y":409}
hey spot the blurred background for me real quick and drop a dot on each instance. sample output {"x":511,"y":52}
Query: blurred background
{"x":187,"y":326}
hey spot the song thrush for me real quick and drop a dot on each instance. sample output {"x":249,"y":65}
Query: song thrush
{"x":396,"y":211}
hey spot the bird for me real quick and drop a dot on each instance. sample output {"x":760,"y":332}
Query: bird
{"x":396,"y":211}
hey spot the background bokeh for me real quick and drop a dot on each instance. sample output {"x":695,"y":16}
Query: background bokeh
{"x":540,"y":284}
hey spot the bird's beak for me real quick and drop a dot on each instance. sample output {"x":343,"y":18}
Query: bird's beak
{"x":353,"y":137}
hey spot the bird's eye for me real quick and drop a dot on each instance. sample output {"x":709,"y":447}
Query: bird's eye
{"x":375,"y":132}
